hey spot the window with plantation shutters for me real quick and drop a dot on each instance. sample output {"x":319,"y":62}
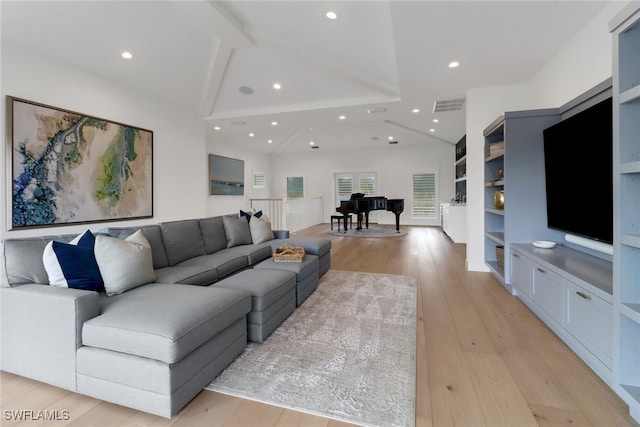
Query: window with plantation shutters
{"x":356,"y":182}
{"x":424,"y":195}
{"x":259,"y":179}
{"x":367,"y":184}
{"x":344,"y":186}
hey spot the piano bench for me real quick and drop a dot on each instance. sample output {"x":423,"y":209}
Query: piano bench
{"x":340,"y":218}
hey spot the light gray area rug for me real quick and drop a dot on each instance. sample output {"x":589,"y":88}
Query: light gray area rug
{"x":372,"y":231}
{"x":348,"y":352}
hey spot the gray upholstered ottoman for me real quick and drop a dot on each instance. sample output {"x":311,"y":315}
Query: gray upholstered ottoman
{"x":312,"y":246}
{"x":273,"y":298}
{"x":307,"y":274}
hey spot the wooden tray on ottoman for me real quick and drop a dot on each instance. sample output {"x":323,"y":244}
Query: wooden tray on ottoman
{"x":288,"y":253}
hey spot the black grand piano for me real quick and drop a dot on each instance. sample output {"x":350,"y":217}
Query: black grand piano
{"x":361,"y":205}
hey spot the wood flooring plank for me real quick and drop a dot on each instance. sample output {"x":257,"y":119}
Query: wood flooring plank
{"x":553,"y":417}
{"x":434,"y":303}
{"x":469,"y":326}
{"x":500,"y":399}
{"x":208,"y":408}
{"x":300,"y":419}
{"x":594,"y":399}
{"x":424,"y":417}
{"x":249,"y":412}
{"x":536,"y":381}
{"x":105,"y":414}
{"x":142,"y":419}
{"x":65,"y":403}
{"x":34,"y":402}
{"x":453,"y":398}
{"x":15,"y":388}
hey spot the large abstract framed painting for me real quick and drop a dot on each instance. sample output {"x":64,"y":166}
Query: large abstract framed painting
{"x":70,"y":168}
{"x":226,"y":176}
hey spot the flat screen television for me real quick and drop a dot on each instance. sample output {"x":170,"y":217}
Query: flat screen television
{"x":579,"y":173}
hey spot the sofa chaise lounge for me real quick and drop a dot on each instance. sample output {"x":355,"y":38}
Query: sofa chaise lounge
{"x":151,"y":346}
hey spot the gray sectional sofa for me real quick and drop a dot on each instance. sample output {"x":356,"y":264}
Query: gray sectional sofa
{"x":152,"y":347}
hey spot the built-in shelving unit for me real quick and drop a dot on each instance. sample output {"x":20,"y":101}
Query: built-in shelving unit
{"x":461,"y":170}
{"x":518,"y":170}
{"x":494,"y":217}
{"x":626,"y":170}
{"x":453,"y":212}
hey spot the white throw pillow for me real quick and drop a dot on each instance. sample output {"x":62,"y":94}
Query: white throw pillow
{"x":260,"y":229}
{"x":124,"y":264}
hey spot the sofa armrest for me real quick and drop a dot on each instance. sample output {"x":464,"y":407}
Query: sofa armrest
{"x":41,"y":328}
{"x":281,"y":234}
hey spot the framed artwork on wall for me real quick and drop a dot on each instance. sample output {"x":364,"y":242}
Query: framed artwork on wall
{"x":226,"y":176}
{"x":72,"y":168}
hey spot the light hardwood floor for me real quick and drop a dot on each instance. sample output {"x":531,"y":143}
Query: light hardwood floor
{"x":483,"y":358}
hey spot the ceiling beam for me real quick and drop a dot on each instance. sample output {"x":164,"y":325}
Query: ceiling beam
{"x":349,"y":73}
{"x":429,"y":135}
{"x":230,"y":34}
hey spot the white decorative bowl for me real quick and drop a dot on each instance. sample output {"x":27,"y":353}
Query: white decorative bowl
{"x":544,"y":244}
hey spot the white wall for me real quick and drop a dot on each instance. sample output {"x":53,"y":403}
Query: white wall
{"x":393,"y":165}
{"x":179,"y":155}
{"x":221,"y":205}
{"x":581,"y":64}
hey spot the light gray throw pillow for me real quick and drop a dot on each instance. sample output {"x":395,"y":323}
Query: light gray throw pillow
{"x":124,"y":264}
{"x":260,"y":229}
{"x":237,"y":231}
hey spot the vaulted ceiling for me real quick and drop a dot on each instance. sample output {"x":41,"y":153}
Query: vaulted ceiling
{"x":374,"y":64}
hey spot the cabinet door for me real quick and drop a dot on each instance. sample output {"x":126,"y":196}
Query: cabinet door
{"x":590,"y":320}
{"x":521,"y":273}
{"x":548,"y":292}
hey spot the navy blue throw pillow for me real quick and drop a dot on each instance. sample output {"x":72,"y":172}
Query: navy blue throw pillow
{"x":74,"y":264}
{"x":79,"y":266}
{"x":247,"y":215}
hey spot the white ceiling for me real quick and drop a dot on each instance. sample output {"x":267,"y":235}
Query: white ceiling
{"x":390,"y":54}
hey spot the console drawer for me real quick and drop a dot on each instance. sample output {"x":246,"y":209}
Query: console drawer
{"x":521,"y":273}
{"x":548,"y":292}
{"x":590,"y":320}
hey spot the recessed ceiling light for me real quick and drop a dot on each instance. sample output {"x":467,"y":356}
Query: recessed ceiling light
{"x":127,"y":55}
{"x":342,"y":117}
{"x":390,"y":138}
{"x":251,"y":135}
{"x":311,"y":143}
{"x":270,"y":141}
{"x":432,"y":130}
{"x":274,"y":123}
{"x":216,"y":128}
{"x":435,"y":120}
{"x":415,"y":110}
{"x":277,"y":86}
{"x":453,"y":64}
{"x":331,"y":15}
